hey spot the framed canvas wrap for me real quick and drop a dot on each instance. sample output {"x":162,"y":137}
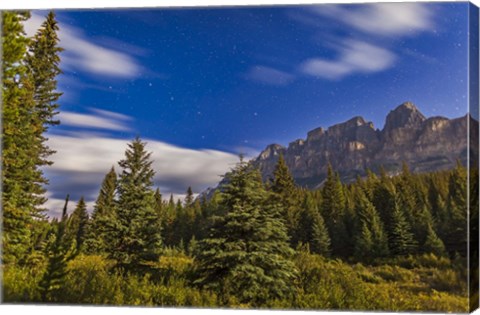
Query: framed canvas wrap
{"x":283,"y":157}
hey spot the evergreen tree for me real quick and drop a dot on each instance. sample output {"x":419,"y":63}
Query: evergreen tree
{"x":333,"y":210}
{"x":402,"y":240}
{"x":43,"y":63}
{"x":21,"y":191}
{"x":371,"y":241}
{"x":61,"y":251}
{"x":284,"y":187}
{"x":24,"y":150}
{"x":456,"y":234}
{"x":77,"y":225}
{"x":320,"y":238}
{"x":137,"y":228}
{"x":246,"y":254}
{"x":312,"y":229}
{"x":189,"y":197}
{"x":433,"y":244}
{"x":100,"y":228}
{"x":159,"y":209}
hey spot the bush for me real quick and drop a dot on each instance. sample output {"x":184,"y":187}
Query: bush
{"x":21,"y":284}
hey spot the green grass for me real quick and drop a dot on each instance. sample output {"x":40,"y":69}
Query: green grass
{"x":424,"y":283}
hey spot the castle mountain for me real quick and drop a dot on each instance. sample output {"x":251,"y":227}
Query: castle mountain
{"x":352,"y":147}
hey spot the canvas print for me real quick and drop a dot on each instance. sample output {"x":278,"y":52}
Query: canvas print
{"x":302,"y":157}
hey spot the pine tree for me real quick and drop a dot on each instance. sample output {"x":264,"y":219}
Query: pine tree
{"x":100,"y":228}
{"x":456,"y":234}
{"x":159,"y":209}
{"x":433,"y":244}
{"x":333,"y":210}
{"x":246,"y":254}
{"x":24,"y":150}
{"x":402,"y":240}
{"x":312,"y":229}
{"x":21,"y":192}
{"x":320,"y":238}
{"x":189,"y":197}
{"x":43,"y":62}
{"x":60,"y":253}
{"x":371,"y":241}
{"x":137,"y":228}
{"x":77,"y":225}
{"x":284,"y":187}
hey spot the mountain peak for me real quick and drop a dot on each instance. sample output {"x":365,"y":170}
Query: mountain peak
{"x":270,"y":151}
{"x":405,"y":115}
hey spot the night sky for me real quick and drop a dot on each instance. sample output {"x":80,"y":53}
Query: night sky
{"x":203,"y":85}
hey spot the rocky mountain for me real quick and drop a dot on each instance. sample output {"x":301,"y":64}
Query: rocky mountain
{"x":425,"y":144}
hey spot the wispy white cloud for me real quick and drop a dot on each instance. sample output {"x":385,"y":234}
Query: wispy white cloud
{"x":82,"y":54}
{"x":100,"y":119}
{"x":354,"y":57}
{"x":361,"y":52}
{"x":81,"y":163}
{"x":386,"y":19}
{"x":269,"y":76}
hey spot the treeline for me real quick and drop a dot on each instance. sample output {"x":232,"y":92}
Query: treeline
{"x":252,"y":244}
{"x":256,"y":244}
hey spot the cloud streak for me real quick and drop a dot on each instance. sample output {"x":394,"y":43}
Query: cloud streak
{"x":81,"y":163}
{"x":269,"y":76}
{"x":363,"y":51}
{"x":81,"y":54}
{"x":383,"y":19}
{"x":101,"y":119}
{"x":355,"y":57}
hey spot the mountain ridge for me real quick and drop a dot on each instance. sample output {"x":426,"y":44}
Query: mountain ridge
{"x":353,"y":146}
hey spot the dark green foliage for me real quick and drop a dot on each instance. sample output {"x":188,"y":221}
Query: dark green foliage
{"x":401,"y":241}
{"x":104,"y":212}
{"x":43,"y":63}
{"x":371,"y":241}
{"x":189,"y":197}
{"x":333,"y":211}
{"x":58,"y":256}
{"x":19,"y":173}
{"x":28,"y":81}
{"x":320,"y":238}
{"x":77,"y":225}
{"x":312,"y":229}
{"x":456,"y":233}
{"x":433,"y":244}
{"x":137,"y":239}
{"x":246,"y":254}
{"x":284,"y":187}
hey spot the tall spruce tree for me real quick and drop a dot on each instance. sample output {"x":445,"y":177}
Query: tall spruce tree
{"x":246,"y":254}
{"x":137,"y":228}
{"x":43,"y":61}
{"x":320,"y":243}
{"x":433,"y":244}
{"x":401,"y":239}
{"x":189,"y":197}
{"x":77,"y":225}
{"x":60,"y":253}
{"x":457,"y":208}
{"x":100,"y":228}
{"x":333,"y":210}
{"x":24,"y":150}
{"x":284,"y":187}
{"x":21,"y":191}
{"x":371,"y":240}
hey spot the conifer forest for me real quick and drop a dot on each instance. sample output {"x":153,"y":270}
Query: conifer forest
{"x":395,"y":242}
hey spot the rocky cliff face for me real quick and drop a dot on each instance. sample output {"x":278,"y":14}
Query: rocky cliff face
{"x":353,"y":146}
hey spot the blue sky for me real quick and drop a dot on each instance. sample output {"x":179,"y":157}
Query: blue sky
{"x":203,"y":85}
